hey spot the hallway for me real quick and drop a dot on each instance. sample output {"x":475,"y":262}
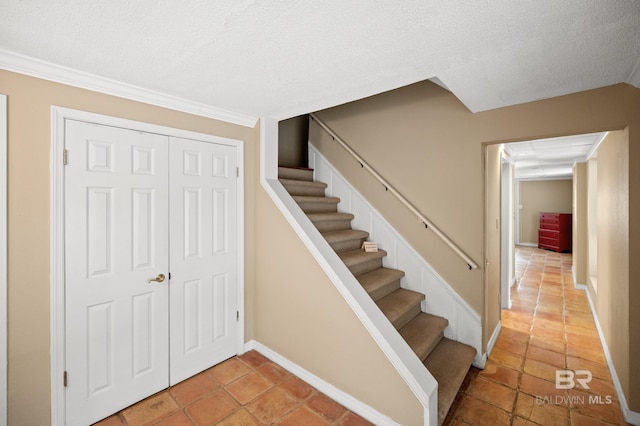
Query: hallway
{"x":549,"y":328}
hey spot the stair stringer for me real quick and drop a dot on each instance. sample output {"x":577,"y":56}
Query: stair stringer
{"x":441,"y":299}
{"x":419,"y":379}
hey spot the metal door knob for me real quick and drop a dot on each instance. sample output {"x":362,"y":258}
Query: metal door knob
{"x":158,"y":279}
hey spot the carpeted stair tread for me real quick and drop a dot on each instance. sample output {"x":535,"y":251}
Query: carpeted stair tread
{"x":423,"y":333}
{"x":381,"y":282}
{"x":400,"y":306}
{"x":333,"y":221}
{"x":360,"y":262}
{"x":312,"y":199}
{"x":304,"y":187}
{"x":297,"y":173}
{"x":346,"y":239}
{"x":344,"y":235}
{"x":322,"y":204}
{"x":449,"y":363}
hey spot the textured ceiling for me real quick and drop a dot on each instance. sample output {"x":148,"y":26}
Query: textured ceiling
{"x":551,"y":158}
{"x":282,"y":58}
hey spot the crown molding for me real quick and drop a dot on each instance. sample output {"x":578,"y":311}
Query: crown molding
{"x":33,"y":67}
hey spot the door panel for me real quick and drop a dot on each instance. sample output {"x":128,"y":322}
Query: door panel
{"x":203,"y":255}
{"x":116,"y":220}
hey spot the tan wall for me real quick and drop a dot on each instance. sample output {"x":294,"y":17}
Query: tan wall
{"x":611,"y":298}
{"x":300,"y":315}
{"x":537,"y":196}
{"x":29,"y":121}
{"x":429,"y":146}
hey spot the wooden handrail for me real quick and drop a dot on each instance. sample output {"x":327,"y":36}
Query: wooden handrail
{"x":427,"y":223}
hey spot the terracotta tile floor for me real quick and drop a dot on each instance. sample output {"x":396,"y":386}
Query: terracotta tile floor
{"x":244,"y":390}
{"x":549,"y":328}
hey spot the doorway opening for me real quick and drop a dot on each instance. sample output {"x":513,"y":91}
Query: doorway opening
{"x":538,"y":187}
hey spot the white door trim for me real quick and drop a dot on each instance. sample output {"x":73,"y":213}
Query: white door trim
{"x":3,"y":260}
{"x":58,"y":117}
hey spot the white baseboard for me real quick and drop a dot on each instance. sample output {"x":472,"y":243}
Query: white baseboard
{"x":527,"y":245}
{"x":490,"y":344}
{"x":632,"y":417}
{"x":348,"y":401}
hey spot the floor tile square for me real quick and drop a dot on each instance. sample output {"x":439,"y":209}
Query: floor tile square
{"x":540,"y":369}
{"x":272,"y":405}
{"x":150,"y":409}
{"x":248,"y":387}
{"x":597,"y":369}
{"x":326,"y":407}
{"x":193,"y":388}
{"x":177,"y":419}
{"x":297,"y":388}
{"x":304,"y":416}
{"x":477,"y":412}
{"x":240,"y":417}
{"x":547,"y":356}
{"x":500,"y":374}
{"x":228,"y":371}
{"x":544,"y":412}
{"x":507,"y":358}
{"x":596,"y":406}
{"x":212,"y":408}
{"x":253,"y":358}
{"x":273,"y":372}
{"x":493,"y":393}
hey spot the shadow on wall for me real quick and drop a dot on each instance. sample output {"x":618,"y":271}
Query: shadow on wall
{"x":293,"y":136}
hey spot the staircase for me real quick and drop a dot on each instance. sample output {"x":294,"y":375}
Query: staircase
{"x":447,"y":360}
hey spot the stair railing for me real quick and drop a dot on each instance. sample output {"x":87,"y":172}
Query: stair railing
{"x":387,"y":186}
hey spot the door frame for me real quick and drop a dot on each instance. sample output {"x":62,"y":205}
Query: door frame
{"x":3,"y":259}
{"x":57,"y":232}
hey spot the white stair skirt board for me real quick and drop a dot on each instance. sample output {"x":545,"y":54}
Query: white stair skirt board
{"x":343,"y":398}
{"x":442,"y":300}
{"x":632,"y":417}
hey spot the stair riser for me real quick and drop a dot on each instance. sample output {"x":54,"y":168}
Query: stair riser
{"x":297,"y":174}
{"x":367,"y":266}
{"x":309,"y":191}
{"x":348,"y":245}
{"x":407,"y":316}
{"x":428,"y":350}
{"x":332,"y":225}
{"x":381,"y":292}
{"x":319,"y":207}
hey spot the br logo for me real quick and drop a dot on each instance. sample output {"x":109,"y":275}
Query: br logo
{"x":566,"y":379}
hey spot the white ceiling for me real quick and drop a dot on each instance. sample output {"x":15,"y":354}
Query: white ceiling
{"x":551,"y":158}
{"x":283,"y":58}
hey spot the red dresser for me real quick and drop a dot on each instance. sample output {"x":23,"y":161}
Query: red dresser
{"x":555,"y":232}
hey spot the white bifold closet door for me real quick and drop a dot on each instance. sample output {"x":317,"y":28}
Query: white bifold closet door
{"x":140,"y":208}
{"x":203,"y":255}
